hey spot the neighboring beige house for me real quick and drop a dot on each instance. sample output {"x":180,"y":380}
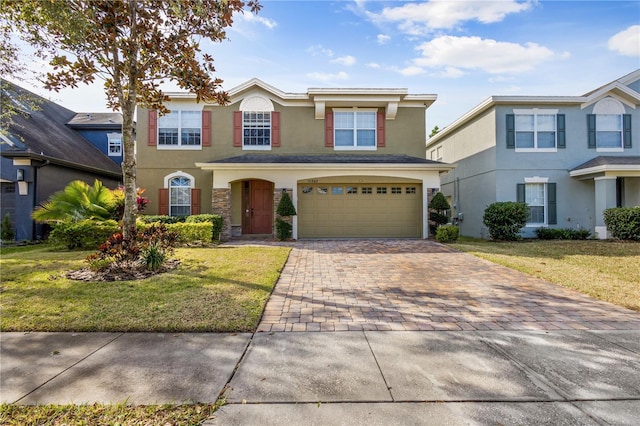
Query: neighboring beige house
{"x":352,"y":160}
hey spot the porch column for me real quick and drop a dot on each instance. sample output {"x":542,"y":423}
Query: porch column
{"x":221,"y":205}
{"x":605,"y":198}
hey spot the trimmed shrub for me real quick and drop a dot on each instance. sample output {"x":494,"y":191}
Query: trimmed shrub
{"x":85,"y":234}
{"x":439,"y":202}
{"x":285,"y":206}
{"x":6,"y":229}
{"x":562,"y":234}
{"x":216,"y":221}
{"x":161,"y":219}
{"x":192,"y":232}
{"x":623,"y":222}
{"x":283,"y":229}
{"x":437,"y":216}
{"x":447,"y":234}
{"x":505,"y":219}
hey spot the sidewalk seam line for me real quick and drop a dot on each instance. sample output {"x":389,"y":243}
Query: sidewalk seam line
{"x":68,"y":368}
{"x":378,"y":365}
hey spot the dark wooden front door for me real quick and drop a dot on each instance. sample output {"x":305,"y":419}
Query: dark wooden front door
{"x":258,"y":207}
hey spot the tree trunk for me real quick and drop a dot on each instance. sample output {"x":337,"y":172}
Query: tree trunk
{"x":129,"y":172}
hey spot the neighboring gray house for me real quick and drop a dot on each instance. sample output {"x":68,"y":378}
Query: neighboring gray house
{"x":568,"y":157}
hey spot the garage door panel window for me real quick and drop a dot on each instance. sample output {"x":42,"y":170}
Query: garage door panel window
{"x":352,"y":189}
{"x":410,"y":190}
{"x":381,"y":190}
{"x":337,"y":190}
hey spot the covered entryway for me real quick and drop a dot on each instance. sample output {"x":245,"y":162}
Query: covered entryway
{"x":257,"y":207}
{"x":359,"y":207}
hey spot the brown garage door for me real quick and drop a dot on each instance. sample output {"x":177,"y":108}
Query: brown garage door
{"x":343,"y":210}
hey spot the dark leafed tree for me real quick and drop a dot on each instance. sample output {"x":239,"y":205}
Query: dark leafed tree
{"x":134,"y":46}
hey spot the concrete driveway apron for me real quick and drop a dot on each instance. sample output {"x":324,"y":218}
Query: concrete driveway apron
{"x":411,"y":285}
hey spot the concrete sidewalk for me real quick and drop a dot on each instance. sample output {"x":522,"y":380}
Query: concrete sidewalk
{"x":354,"y":377}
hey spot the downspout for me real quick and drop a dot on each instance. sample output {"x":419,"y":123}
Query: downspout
{"x":35,"y":194}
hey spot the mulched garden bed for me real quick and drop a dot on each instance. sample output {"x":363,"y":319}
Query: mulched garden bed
{"x":129,"y":273}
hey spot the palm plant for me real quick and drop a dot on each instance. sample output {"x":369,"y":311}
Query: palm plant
{"x":77,"y":201}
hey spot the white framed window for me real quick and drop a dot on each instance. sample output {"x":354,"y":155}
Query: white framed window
{"x":535,"y":196}
{"x":179,"y":185}
{"x":355,"y":129}
{"x":536,"y":130}
{"x":114,"y":144}
{"x":256,"y":130}
{"x":608,"y":125}
{"x":180,"y":130}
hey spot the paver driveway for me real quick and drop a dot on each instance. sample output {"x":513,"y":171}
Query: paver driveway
{"x":422,"y":285}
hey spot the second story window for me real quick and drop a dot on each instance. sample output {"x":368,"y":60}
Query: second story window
{"x":114,"y":144}
{"x":535,"y":130}
{"x":354,"y":130}
{"x":609,"y":128}
{"x":256,"y":129}
{"x":180,"y":129}
{"x":609,"y":131}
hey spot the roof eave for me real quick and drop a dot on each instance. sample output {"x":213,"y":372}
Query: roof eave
{"x":60,"y":162}
{"x":324,"y":166}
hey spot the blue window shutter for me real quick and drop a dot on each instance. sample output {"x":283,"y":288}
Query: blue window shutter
{"x":511,"y":131}
{"x":626,"y":130}
{"x":591,"y":130}
{"x":562,"y":140}
{"x":551,"y":204}
{"x":520,"y":193}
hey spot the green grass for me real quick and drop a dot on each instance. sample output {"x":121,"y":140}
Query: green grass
{"x":100,"y":414}
{"x":606,"y":270}
{"x":213,"y":290}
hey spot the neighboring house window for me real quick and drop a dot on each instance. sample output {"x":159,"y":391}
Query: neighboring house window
{"x":354,"y":129}
{"x":535,"y":130}
{"x":439,"y":155}
{"x":256,"y":129}
{"x":114,"y":144}
{"x":179,"y":197}
{"x":180,"y":129}
{"x":540,"y":197}
{"x":433,"y":154}
{"x":609,"y":128}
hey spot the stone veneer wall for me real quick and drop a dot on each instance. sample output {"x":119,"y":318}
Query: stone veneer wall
{"x":221,"y":205}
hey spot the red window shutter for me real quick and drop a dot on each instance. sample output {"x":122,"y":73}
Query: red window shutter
{"x":163,"y":201}
{"x":195,"y":201}
{"x":328,"y":129}
{"x":152,"y":137}
{"x":275,"y":129}
{"x":206,"y":128}
{"x":380,"y":124}
{"x":237,"y":128}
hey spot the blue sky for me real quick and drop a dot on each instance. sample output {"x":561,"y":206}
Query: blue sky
{"x":463,"y":51}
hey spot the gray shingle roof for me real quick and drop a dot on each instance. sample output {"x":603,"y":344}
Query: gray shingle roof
{"x":610,"y":160}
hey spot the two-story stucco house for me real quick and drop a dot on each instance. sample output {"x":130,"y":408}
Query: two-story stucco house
{"x":351,"y":159}
{"x":568,"y":157}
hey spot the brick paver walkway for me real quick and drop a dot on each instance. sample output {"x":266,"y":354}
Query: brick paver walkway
{"x":422,"y":285}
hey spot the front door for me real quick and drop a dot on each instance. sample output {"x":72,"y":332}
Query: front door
{"x":258,"y":207}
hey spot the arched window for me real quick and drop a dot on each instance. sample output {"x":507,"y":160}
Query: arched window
{"x":180,"y":196}
{"x":608,"y":124}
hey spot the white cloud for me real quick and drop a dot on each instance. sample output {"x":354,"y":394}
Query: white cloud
{"x":626,"y":42}
{"x":345,"y":60}
{"x":383,"y":38}
{"x":373,"y":65}
{"x":422,"y":18}
{"x":319,"y":50}
{"x":250,"y":17}
{"x":326,"y":77}
{"x":491,"y":56}
{"x":411,"y":71}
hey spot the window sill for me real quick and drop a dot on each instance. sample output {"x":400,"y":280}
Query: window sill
{"x":115,"y":155}
{"x":609,"y":149}
{"x":256,"y":147}
{"x":179,"y":147}
{"x":355,"y":148}
{"x":536,"y":225}
{"x":536,"y":150}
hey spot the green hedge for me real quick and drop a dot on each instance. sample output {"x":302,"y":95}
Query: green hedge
{"x":85,"y":234}
{"x":214,"y":219}
{"x":447,"y":234}
{"x":161,"y":218}
{"x":505,"y":219}
{"x":623,"y":222}
{"x":562,"y":234}
{"x":192,"y":232}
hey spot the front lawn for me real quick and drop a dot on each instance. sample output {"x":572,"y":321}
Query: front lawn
{"x":606,"y":270}
{"x":213,"y":290}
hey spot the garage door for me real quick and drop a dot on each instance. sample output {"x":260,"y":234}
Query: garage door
{"x":343,"y":210}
